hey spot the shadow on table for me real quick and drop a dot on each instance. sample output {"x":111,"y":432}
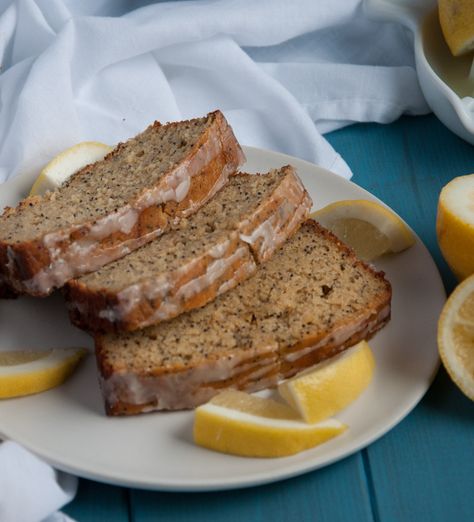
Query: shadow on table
{"x":444,"y":398}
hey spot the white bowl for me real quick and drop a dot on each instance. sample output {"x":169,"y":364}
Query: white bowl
{"x":456,"y":112}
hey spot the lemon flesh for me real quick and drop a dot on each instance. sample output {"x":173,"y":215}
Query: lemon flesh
{"x":68,"y":162}
{"x":456,"y":336}
{"x":241,"y":424}
{"x":369,"y":228}
{"x":327,"y":388}
{"x":456,"y":18}
{"x":455,"y":225}
{"x":27,"y":372}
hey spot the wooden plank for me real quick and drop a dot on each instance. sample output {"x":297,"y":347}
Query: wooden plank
{"x":96,"y":502}
{"x":424,"y":468}
{"x":337,"y":492}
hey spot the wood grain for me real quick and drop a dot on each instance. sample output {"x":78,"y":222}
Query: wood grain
{"x":96,"y":502}
{"x":424,"y":468}
{"x":328,"y":494}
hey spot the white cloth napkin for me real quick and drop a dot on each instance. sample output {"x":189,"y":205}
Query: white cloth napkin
{"x":30,"y":490}
{"x":283,"y":72}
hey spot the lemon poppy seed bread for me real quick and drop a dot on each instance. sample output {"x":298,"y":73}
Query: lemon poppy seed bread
{"x":114,"y":206}
{"x":204,"y":256}
{"x":310,"y":301}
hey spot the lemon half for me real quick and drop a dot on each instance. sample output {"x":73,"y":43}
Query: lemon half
{"x":28,"y":372}
{"x":456,"y":336}
{"x":325,"y":389}
{"x":368,"y":227}
{"x":456,"y":18}
{"x":241,"y":424}
{"x":455,"y":225}
{"x":68,"y":162}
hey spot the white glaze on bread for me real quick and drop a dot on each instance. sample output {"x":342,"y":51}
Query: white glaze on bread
{"x":228,"y":260}
{"x":38,"y":266}
{"x":189,"y":388}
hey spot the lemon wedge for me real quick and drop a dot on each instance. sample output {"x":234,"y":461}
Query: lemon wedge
{"x":455,"y":225}
{"x":328,"y":387}
{"x":457,"y":23}
{"x":241,"y":424}
{"x":65,"y":164}
{"x":368,"y":227}
{"x":456,"y":336}
{"x":27,"y":372}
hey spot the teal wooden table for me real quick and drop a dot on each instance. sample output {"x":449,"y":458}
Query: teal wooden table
{"x":421,"y":470}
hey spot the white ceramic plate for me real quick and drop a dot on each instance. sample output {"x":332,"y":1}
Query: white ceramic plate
{"x":67,"y":426}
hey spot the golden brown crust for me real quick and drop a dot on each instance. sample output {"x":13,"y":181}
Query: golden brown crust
{"x":21,"y":263}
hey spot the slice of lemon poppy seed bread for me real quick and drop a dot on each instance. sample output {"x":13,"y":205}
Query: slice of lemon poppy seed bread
{"x":311,"y":300}
{"x":114,"y":206}
{"x":204,"y":256}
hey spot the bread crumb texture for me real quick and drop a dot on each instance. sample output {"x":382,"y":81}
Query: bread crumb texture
{"x":310,"y":287}
{"x":123,"y":175}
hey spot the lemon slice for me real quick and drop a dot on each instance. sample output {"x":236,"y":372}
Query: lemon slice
{"x":65,"y":164}
{"x":455,"y":225}
{"x":457,"y":22}
{"x":26,"y":372}
{"x":368,"y":227}
{"x":327,"y":388}
{"x":241,"y":424}
{"x":456,"y":336}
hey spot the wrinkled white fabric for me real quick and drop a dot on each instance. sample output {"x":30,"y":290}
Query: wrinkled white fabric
{"x":30,"y":490}
{"x":283,"y":72}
